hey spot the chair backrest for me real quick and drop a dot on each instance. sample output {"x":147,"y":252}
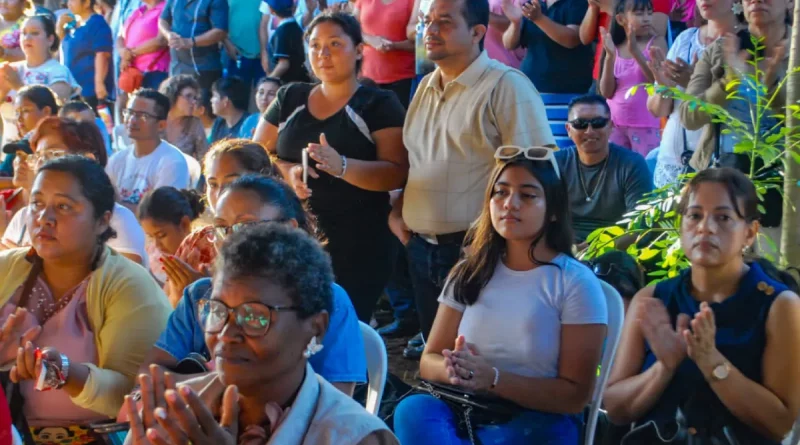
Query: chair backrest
{"x":616,"y":314}
{"x":377,"y":366}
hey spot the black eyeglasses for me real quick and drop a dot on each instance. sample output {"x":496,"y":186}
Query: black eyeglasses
{"x":142,"y":115}
{"x":595,"y":122}
{"x":603,"y":269}
{"x":254,"y":317}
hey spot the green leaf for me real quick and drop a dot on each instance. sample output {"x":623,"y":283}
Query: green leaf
{"x":657,"y":273}
{"x":632,"y":91}
{"x":762,"y":210}
{"x":648,"y":254}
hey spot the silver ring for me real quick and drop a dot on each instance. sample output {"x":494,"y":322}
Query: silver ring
{"x":471,"y":375}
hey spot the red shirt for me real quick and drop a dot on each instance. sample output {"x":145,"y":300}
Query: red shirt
{"x":387,"y":21}
{"x":603,"y":20}
{"x":5,"y":420}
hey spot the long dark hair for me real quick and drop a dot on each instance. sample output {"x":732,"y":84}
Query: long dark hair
{"x":617,"y":31}
{"x":486,"y":246}
{"x":171,"y":205}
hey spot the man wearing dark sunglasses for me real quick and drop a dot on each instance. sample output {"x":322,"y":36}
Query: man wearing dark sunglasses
{"x":604,"y":180}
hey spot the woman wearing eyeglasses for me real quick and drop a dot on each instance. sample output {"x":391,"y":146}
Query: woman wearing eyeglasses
{"x":253,"y":200}
{"x":226,"y":161}
{"x":184,"y":130}
{"x":270,"y":304}
{"x":519,"y":319}
{"x":92,"y":312}
{"x":56,"y":137}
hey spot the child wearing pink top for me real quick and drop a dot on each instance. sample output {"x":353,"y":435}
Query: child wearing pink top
{"x":627,"y":49}
{"x":139,"y":29}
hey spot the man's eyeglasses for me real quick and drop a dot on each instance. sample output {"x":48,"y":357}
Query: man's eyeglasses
{"x":141,"y":115}
{"x":508,"y":152}
{"x":254,"y":318}
{"x":221,"y":232}
{"x":595,"y":122}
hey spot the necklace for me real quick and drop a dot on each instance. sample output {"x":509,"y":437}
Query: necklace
{"x":601,"y":176}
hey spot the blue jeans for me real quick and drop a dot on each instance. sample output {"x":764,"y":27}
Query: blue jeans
{"x":425,"y":420}
{"x":249,"y":70}
{"x":399,"y":289}
{"x":428,"y":267}
{"x":153,"y":79}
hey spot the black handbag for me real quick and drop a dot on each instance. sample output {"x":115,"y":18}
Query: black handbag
{"x":471,"y":409}
{"x":676,"y":432}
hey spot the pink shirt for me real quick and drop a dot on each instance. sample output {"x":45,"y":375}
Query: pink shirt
{"x":494,"y":41}
{"x":142,"y":26}
{"x":631,"y":111}
{"x":69,"y":331}
{"x":388,"y":21}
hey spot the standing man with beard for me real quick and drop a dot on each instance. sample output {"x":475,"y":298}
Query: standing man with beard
{"x":462,"y":112}
{"x":604,"y":180}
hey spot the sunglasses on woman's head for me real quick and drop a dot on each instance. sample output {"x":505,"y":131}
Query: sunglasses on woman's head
{"x":595,"y":122}
{"x":221,"y":232}
{"x":509,"y":152}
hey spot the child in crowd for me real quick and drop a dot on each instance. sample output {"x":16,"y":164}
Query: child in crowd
{"x":266,"y":89}
{"x":627,"y":49}
{"x":286,"y":51}
{"x":166,"y":215}
{"x":230,"y":97}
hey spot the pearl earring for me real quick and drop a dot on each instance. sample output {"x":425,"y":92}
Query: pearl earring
{"x":312,"y":348}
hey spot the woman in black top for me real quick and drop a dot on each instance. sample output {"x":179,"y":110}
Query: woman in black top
{"x":353,"y":134}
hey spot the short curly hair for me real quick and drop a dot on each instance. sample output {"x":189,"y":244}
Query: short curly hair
{"x":173,"y":86}
{"x":283,"y":255}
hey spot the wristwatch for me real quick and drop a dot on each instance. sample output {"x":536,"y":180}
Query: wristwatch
{"x":720,"y":372}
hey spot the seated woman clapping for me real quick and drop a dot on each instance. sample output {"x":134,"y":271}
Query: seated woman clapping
{"x":254,"y":199}
{"x":717,"y":345}
{"x":93,"y":312}
{"x":270,"y":302}
{"x":519,"y":319}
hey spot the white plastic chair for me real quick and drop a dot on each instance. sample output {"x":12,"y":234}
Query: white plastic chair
{"x":616,"y":314}
{"x":377,"y":366}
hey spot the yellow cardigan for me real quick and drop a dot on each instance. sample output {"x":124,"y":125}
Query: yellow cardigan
{"x":127,"y":312}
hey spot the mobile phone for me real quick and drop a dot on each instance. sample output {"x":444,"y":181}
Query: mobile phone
{"x":305,"y":166}
{"x":111,"y":433}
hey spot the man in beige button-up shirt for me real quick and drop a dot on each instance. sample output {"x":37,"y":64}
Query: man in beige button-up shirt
{"x":462,"y":112}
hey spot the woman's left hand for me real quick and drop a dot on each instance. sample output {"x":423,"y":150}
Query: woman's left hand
{"x":328,"y":159}
{"x":701,"y":343}
{"x":467,"y":368}
{"x":28,"y":366}
{"x":190,"y":421}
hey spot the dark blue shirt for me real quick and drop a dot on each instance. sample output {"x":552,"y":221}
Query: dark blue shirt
{"x":741,"y":321}
{"x":193,"y":18}
{"x":78,"y":50}
{"x":287,"y":43}
{"x":220,"y":129}
{"x":551,"y":67}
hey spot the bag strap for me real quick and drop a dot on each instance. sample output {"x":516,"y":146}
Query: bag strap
{"x":162,"y":53}
{"x":27,"y":288}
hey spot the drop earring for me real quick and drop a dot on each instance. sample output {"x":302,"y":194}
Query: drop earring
{"x":312,"y":348}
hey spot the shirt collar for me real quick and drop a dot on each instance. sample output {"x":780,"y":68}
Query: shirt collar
{"x":469,"y":77}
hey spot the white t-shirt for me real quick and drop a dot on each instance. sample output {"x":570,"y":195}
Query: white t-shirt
{"x":516,"y":322}
{"x":48,"y":73}
{"x":133,"y":177}
{"x":130,"y":237}
{"x":194,"y":171}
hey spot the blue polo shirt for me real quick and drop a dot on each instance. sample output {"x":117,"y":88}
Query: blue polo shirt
{"x":551,"y":67}
{"x":342,"y":359}
{"x":78,"y":51}
{"x":192,"y":18}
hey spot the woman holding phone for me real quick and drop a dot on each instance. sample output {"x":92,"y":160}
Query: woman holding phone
{"x":353,"y":134}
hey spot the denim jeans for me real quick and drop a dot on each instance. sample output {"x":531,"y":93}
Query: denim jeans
{"x":425,"y":420}
{"x":428,"y":266}
{"x":399,"y":289}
